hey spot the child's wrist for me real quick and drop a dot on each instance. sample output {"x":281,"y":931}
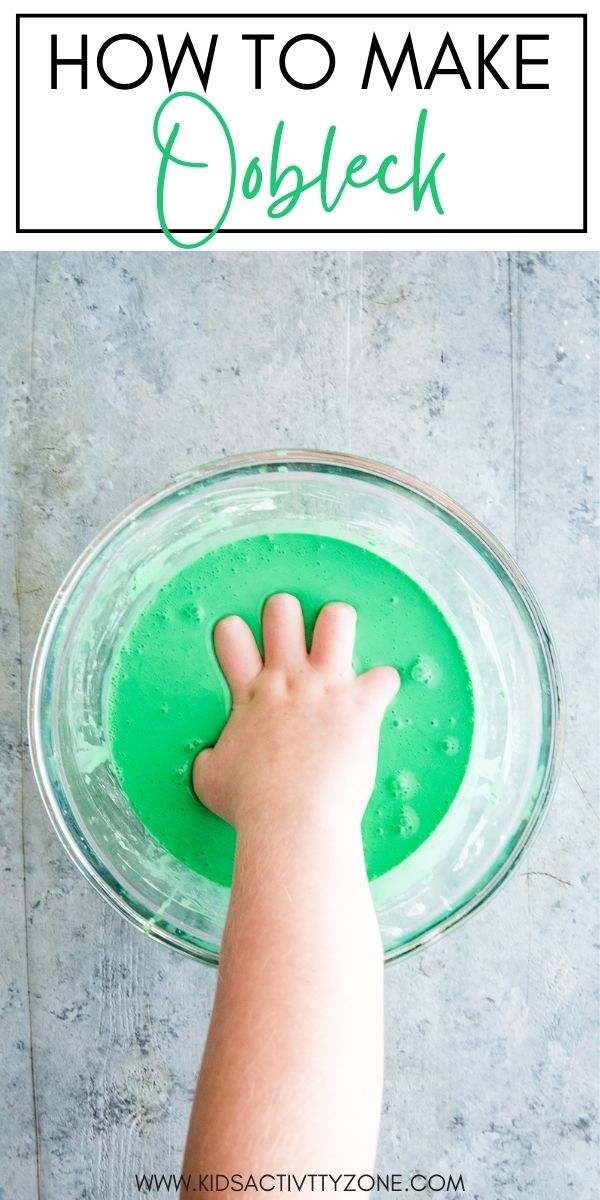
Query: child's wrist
{"x":306,"y":819}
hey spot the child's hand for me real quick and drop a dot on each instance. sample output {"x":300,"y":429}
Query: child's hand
{"x":304,"y":729}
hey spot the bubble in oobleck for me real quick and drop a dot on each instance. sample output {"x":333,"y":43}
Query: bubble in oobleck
{"x":426,"y":670}
{"x":405,"y":785}
{"x":402,"y":723}
{"x":451,"y":746}
{"x":408,"y":821}
{"x":194,"y":744}
{"x":193,"y":612}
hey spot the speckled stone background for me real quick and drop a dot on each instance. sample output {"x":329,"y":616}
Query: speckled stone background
{"x":475,"y":371}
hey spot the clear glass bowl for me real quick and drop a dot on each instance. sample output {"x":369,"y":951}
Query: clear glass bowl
{"x":518,"y":732}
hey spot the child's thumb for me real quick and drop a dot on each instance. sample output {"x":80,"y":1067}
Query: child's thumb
{"x":200,"y":772}
{"x":380,"y":684}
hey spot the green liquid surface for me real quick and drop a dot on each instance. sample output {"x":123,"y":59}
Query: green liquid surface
{"x":168,"y":698}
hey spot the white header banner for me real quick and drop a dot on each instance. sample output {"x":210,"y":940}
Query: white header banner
{"x":294,"y":129}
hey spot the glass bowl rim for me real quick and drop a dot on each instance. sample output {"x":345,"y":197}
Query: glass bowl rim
{"x":99,"y":876}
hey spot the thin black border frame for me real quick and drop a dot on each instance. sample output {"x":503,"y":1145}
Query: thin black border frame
{"x":309,"y":17}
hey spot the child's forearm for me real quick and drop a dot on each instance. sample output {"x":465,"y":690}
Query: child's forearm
{"x":291,"y":1076}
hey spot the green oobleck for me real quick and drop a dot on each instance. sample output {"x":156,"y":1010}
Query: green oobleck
{"x":168,"y":697}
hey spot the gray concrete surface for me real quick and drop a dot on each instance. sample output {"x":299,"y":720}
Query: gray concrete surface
{"x":477,"y":372}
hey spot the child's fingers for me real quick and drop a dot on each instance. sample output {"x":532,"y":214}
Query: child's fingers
{"x":283,"y":631}
{"x":380,"y":685}
{"x":333,"y":637}
{"x":237,"y":652}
